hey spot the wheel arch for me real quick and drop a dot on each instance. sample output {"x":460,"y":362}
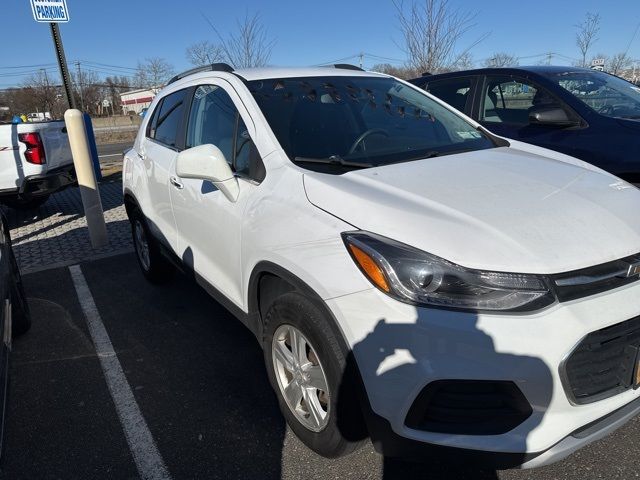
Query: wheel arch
{"x":268,"y":281}
{"x":130,"y":202}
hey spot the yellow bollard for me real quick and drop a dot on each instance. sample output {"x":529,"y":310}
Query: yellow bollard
{"x":86,"y":177}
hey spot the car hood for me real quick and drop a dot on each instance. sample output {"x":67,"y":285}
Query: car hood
{"x":500,"y":209}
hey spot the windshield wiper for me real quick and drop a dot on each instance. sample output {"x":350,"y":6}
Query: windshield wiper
{"x":333,"y":160}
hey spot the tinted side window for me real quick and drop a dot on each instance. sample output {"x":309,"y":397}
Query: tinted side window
{"x":509,"y":100}
{"x":169,"y":118}
{"x":243,"y":148}
{"x":453,"y":91}
{"x":214,"y":119}
{"x":151,"y":126}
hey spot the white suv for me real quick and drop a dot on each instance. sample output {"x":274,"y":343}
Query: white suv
{"x":411,"y":277}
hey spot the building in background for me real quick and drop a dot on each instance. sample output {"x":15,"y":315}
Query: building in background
{"x":136,"y":100}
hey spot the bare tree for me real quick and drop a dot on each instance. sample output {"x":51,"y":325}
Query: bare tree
{"x":22,"y":100}
{"x":42,"y":88}
{"x":432,"y":30}
{"x":501,"y":59}
{"x":464,"y":62}
{"x":405,"y":73}
{"x":112,"y":88}
{"x":204,"y":53}
{"x":619,"y":62}
{"x":250,"y":47}
{"x":87,"y":89}
{"x":153,"y":73}
{"x":587,"y":35}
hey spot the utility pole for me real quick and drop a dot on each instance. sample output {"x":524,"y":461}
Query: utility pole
{"x":80,"y":86}
{"x":549,"y":55}
{"x":361,"y":59}
{"x":47,"y":108}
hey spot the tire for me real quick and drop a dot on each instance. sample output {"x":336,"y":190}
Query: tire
{"x":329,"y":437}
{"x":20,"y":312}
{"x":155,"y":267}
{"x":26,"y":203}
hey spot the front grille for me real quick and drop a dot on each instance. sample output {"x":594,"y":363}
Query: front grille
{"x":600,"y":278}
{"x":604,"y":363}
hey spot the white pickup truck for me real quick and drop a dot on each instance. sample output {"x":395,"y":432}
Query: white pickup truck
{"x":35,"y":161}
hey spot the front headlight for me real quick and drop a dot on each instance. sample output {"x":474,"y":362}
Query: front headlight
{"x":413,"y":276}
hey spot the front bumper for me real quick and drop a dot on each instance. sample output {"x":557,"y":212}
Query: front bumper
{"x":399,"y":349}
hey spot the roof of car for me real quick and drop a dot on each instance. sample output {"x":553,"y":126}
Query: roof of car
{"x":292,"y":72}
{"x":539,"y":69}
{"x":264,"y":73}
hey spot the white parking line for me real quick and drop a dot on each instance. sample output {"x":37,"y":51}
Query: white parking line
{"x":141,"y":444}
{"x":110,"y":155}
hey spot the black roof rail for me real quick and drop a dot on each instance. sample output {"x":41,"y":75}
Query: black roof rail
{"x":347,"y":66}
{"x":426,"y":74}
{"x":214,"y":67}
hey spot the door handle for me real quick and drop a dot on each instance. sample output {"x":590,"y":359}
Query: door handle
{"x":176,"y":183}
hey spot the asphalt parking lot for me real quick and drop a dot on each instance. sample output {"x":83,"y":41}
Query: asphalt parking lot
{"x":198,"y":379}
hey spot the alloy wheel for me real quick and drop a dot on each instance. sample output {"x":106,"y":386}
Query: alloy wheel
{"x":301,"y":378}
{"x":142,"y":245}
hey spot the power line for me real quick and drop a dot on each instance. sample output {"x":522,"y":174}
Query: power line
{"x":29,"y":66}
{"x":632,"y":39}
{"x":336,"y":61}
{"x":108,"y":65}
{"x":24,"y":73}
{"x":389,"y":59}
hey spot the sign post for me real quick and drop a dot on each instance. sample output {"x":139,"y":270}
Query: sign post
{"x":62,"y":63}
{"x":598,"y":64}
{"x":54,"y":12}
{"x":80,"y":131}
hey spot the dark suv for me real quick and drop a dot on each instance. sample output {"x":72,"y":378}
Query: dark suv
{"x":587,"y":114}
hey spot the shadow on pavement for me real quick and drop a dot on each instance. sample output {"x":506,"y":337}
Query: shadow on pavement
{"x":425,"y":351}
{"x":197,"y":374}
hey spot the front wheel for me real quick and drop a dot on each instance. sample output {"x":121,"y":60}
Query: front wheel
{"x":306,"y":366}
{"x":155,"y":267}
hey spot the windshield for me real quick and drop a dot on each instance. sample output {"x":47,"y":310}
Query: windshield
{"x":608,"y":95}
{"x":366,"y":121}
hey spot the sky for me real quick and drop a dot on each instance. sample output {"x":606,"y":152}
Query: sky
{"x":119,"y":33}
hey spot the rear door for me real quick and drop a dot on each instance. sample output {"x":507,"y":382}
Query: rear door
{"x":158,"y":151}
{"x":456,"y":91}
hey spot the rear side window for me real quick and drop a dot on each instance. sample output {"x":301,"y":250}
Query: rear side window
{"x":454,"y":91}
{"x":166,"y":122}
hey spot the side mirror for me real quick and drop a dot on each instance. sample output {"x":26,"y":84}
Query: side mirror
{"x":207,"y":162}
{"x":551,"y":116}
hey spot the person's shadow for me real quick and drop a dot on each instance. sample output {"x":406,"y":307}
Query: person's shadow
{"x":397,"y":361}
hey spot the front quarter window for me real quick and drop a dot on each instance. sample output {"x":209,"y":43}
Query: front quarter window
{"x":361,"y":121}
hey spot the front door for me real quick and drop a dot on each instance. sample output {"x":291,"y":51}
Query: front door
{"x":209,"y":224}
{"x":505,"y":103}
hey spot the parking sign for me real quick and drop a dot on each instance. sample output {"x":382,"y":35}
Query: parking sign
{"x":50,"y":11}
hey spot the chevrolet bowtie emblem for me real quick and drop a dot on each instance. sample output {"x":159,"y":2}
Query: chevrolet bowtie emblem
{"x":634,"y":269}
